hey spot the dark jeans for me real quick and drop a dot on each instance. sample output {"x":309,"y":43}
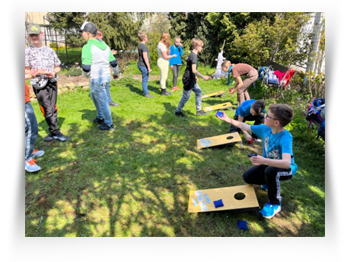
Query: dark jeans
{"x":259,"y":119}
{"x":30,"y":130}
{"x":176,"y":71}
{"x":270,"y":176}
{"x":145,"y":76}
{"x":47,"y":98}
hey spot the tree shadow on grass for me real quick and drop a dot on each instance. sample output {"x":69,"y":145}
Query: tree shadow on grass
{"x":136,"y":180}
{"x":42,"y":125}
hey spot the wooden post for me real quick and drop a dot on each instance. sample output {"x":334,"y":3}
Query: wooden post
{"x":65,"y":42}
{"x":56,"y":42}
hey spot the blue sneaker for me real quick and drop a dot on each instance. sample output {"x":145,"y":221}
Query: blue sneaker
{"x":37,"y":153}
{"x":264,"y":187}
{"x":269,"y":210}
{"x":30,"y":166}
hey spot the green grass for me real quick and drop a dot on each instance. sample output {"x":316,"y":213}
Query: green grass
{"x":135,"y":181}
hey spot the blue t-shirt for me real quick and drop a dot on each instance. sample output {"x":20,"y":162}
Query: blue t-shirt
{"x":174,"y":50}
{"x":244,"y":109}
{"x":275,"y":145}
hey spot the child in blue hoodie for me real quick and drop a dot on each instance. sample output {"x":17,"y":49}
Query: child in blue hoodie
{"x":175,"y":62}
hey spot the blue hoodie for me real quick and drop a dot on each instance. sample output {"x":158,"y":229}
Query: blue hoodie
{"x":176,"y":51}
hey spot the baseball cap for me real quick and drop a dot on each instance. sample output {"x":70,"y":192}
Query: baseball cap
{"x":34,"y":29}
{"x":88,"y":27}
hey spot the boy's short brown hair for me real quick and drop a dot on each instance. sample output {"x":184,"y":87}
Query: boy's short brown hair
{"x":225,"y":63}
{"x":142,"y":36}
{"x":282,"y":112}
{"x":196,"y":42}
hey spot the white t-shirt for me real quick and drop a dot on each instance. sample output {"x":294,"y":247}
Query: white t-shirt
{"x":160,"y":48}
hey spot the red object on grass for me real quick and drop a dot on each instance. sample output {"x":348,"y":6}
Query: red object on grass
{"x":251,"y":141}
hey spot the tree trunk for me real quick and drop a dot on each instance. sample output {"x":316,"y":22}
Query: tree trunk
{"x":315,"y":42}
{"x":65,"y":43}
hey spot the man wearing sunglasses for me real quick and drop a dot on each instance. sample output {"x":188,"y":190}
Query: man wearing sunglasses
{"x":277,"y":162}
{"x":44,"y":84}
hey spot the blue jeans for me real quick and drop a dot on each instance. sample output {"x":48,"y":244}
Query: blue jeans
{"x":186,"y":95}
{"x":99,"y":96}
{"x":145,"y":76}
{"x":31,"y":130}
{"x":108,"y":93}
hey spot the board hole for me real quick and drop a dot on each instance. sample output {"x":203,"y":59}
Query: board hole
{"x":239,"y":196}
{"x":229,"y":137}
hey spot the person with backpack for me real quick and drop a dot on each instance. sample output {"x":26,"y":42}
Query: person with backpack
{"x":175,"y":62}
{"x":239,"y":70}
{"x":277,"y":162}
{"x":190,"y":81}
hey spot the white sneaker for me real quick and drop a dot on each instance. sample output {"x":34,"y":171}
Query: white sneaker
{"x":257,"y":140}
{"x":30,"y":166}
{"x":37,"y":153}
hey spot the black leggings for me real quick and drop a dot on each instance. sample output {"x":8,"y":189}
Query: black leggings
{"x":270,"y":176}
{"x":176,"y":71}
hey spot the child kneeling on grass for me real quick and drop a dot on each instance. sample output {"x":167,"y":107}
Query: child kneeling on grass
{"x":277,"y":162}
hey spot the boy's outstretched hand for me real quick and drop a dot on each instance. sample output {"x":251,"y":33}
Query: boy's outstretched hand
{"x":224,"y":117}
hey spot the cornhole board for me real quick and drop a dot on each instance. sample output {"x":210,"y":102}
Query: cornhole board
{"x":203,"y":200}
{"x":219,"y":140}
{"x":220,"y":93}
{"x":219,"y":106}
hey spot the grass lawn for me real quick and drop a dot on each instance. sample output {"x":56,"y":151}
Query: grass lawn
{"x":135,"y":180}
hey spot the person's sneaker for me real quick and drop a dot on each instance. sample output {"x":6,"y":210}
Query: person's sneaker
{"x":37,"y":153}
{"x":30,"y":166}
{"x":264,"y":187}
{"x":165,"y":93}
{"x":256,"y":139}
{"x":175,"y":88}
{"x":98,"y":121}
{"x":201,"y":113}
{"x":148,"y":95}
{"x":48,"y":138}
{"x":269,"y":210}
{"x":61,"y":137}
{"x":180,"y":114}
{"x":113,"y":104}
{"x":105,"y":127}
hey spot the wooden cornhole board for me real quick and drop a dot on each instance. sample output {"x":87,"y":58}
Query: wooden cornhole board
{"x":220,"y":93}
{"x":219,"y":106}
{"x":219,"y":140}
{"x":203,"y":200}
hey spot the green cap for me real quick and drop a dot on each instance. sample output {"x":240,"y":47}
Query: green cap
{"x":34,"y":29}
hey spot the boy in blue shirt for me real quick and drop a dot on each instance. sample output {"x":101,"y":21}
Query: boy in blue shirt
{"x":250,"y":110}
{"x":277,"y":162}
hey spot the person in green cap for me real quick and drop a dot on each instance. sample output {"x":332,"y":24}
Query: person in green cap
{"x":96,"y":59}
{"x":37,"y":55}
